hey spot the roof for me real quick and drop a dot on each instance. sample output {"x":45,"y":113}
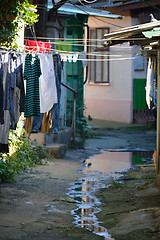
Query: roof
{"x":68,"y":7}
{"x":85,"y":10}
{"x":154,"y":33}
{"x":137,"y":32}
{"x":110,"y":4}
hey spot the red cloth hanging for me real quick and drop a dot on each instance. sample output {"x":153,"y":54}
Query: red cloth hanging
{"x":43,"y":47}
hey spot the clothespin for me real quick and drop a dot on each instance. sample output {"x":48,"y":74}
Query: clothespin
{"x":70,"y":58}
{"x":38,"y":49}
{"x":75,"y":57}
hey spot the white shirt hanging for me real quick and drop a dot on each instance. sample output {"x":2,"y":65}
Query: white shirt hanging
{"x":47,"y":83}
{"x":149,"y":84}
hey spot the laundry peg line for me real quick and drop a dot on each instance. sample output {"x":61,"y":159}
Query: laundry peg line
{"x":69,"y":57}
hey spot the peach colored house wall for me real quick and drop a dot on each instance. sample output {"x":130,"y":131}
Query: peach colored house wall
{"x":113,"y":102}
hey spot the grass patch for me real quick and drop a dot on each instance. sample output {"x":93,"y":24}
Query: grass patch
{"x":116,"y":184}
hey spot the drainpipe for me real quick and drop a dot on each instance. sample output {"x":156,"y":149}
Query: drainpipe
{"x":158,"y":116}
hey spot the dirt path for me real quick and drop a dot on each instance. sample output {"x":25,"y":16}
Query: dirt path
{"x":131,"y":208}
{"x":35,"y":206}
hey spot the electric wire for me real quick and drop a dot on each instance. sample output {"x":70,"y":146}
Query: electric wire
{"x":91,"y":15}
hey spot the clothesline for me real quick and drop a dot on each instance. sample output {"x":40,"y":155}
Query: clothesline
{"x":77,"y":56}
{"x":78,"y":43}
{"x":72,"y":52}
{"x":78,"y":39}
{"x":93,"y":53}
{"x":70,"y":58}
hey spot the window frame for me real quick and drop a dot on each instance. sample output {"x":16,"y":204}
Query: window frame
{"x":98,"y":49}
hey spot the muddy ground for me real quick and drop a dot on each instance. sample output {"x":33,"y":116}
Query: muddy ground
{"x":36,"y":207}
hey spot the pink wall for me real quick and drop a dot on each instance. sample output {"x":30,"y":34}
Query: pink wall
{"x":113,"y":101}
{"x":110,"y":110}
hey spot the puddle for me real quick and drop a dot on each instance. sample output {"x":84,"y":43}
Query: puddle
{"x":99,"y":172}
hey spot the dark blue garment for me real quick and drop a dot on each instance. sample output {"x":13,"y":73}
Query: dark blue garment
{"x":1,"y":92}
{"x":20,"y":82}
{"x":58,"y":71}
{"x":9,"y":87}
{"x":17,"y":87}
{"x":37,"y":122}
{"x":55,"y":111}
{"x":13,"y":86}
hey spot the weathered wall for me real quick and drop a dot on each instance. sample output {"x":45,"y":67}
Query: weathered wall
{"x":113,"y":101}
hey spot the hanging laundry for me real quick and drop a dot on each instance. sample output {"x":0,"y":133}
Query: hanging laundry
{"x":150,"y":83}
{"x":4,"y":132}
{"x":83,"y":58}
{"x":155,"y":84}
{"x":75,"y":57}
{"x":43,"y":92}
{"x":36,"y":125}
{"x":64,"y":57}
{"x":70,"y":58}
{"x":32,"y":72}
{"x":55,"y":111}
{"x":46,"y":123}
{"x":47,"y":91}
{"x":18,"y":93}
{"x":12,"y":89}
{"x":39,"y":46}
{"x":1,"y":92}
{"x":13,"y":86}
{"x":47,"y":83}
{"x":63,"y":46}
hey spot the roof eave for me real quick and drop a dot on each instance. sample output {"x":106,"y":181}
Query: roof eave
{"x":130,"y":31}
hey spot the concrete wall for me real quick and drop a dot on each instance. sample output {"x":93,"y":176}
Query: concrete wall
{"x":113,"y":101}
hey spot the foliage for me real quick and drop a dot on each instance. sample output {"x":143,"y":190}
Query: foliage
{"x":12,"y":15}
{"x":22,"y":154}
{"x":83,"y":128}
{"x":116,"y":184}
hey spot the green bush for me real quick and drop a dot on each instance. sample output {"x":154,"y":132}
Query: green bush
{"x":83,"y":128}
{"x":22,"y":154}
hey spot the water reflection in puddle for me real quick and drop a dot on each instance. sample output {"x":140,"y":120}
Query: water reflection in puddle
{"x":99,"y":172}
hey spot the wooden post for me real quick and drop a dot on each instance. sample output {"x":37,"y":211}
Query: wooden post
{"x":158,"y":116}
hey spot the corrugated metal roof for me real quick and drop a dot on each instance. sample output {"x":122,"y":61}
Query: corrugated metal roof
{"x":77,"y":9}
{"x":153,"y":33}
{"x":85,"y":10}
{"x":130,"y":31}
{"x":108,"y":4}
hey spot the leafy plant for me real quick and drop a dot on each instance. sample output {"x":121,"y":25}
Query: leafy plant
{"x":13,"y":14}
{"x":22,"y":154}
{"x":83,"y":128}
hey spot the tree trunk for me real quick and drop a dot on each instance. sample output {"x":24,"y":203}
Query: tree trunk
{"x":40,"y":26}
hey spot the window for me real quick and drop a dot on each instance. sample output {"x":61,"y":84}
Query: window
{"x":98,"y":57}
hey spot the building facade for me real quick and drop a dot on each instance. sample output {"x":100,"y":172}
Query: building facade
{"x":115,"y":90}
